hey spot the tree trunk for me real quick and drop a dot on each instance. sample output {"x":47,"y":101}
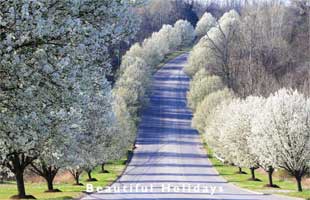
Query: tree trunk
{"x":76,"y":175}
{"x":50,"y":185}
{"x":102,"y":168}
{"x":89,"y":175}
{"x":19,"y":175}
{"x":47,"y":172}
{"x":77,"y":178}
{"x":270,"y":172}
{"x":17,"y":163}
{"x":253,"y":173}
{"x":240,"y":171}
{"x":299,"y":186}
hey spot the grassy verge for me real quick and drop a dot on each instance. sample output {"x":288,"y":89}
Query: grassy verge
{"x":69,"y":191}
{"x":287,"y":187}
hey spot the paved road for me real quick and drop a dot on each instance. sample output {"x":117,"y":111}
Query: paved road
{"x":170,"y":152}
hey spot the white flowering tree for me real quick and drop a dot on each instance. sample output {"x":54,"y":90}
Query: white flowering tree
{"x":213,"y":50}
{"x":206,"y":108}
{"x":197,"y":58}
{"x":237,"y":131}
{"x":171,"y":36}
{"x":167,"y":39}
{"x":33,"y":71}
{"x":95,"y":123}
{"x":52,"y":156}
{"x":161,"y":38}
{"x":135,"y":51}
{"x":186,"y":31}
{"x":132,"y":85}
{"x":153,"y":53}
{"x":200,"y":87}
{"x":206,"y":22}
{"x":44,"y":44}
{"x":219,"y":43}
{"x":118,"y":145}
{"x":126,"y":123}
{"x":213,"y":132}
{"x":281,"y":133}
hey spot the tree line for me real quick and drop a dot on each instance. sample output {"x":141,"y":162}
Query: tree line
{"x":139,"y":63}
{"x":244,"y":91}
{"x":57,"y":109}
{"x":264,"y":49}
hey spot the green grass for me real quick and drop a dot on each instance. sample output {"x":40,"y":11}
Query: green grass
{"x":69,"y":191}
{"x":287,"y":187}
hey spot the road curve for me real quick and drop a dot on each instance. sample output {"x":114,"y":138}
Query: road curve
{"x":169,"y":161}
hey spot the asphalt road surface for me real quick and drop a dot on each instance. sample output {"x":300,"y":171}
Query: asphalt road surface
{"x":169,"y":161}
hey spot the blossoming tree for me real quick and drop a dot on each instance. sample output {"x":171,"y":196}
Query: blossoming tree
{"x":281,"y":133}
{"x":44,"y":45}
{"x":206,"y":22}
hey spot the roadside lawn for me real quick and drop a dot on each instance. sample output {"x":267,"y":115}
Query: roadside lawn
{"x":287,"y":185}
{"x":69,"y":191}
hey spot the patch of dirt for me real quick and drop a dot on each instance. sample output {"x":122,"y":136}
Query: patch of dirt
{"x":64,"y":177}
{"x":61,"y":177}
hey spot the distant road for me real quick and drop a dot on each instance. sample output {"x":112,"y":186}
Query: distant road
{"x":170,"y":152}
